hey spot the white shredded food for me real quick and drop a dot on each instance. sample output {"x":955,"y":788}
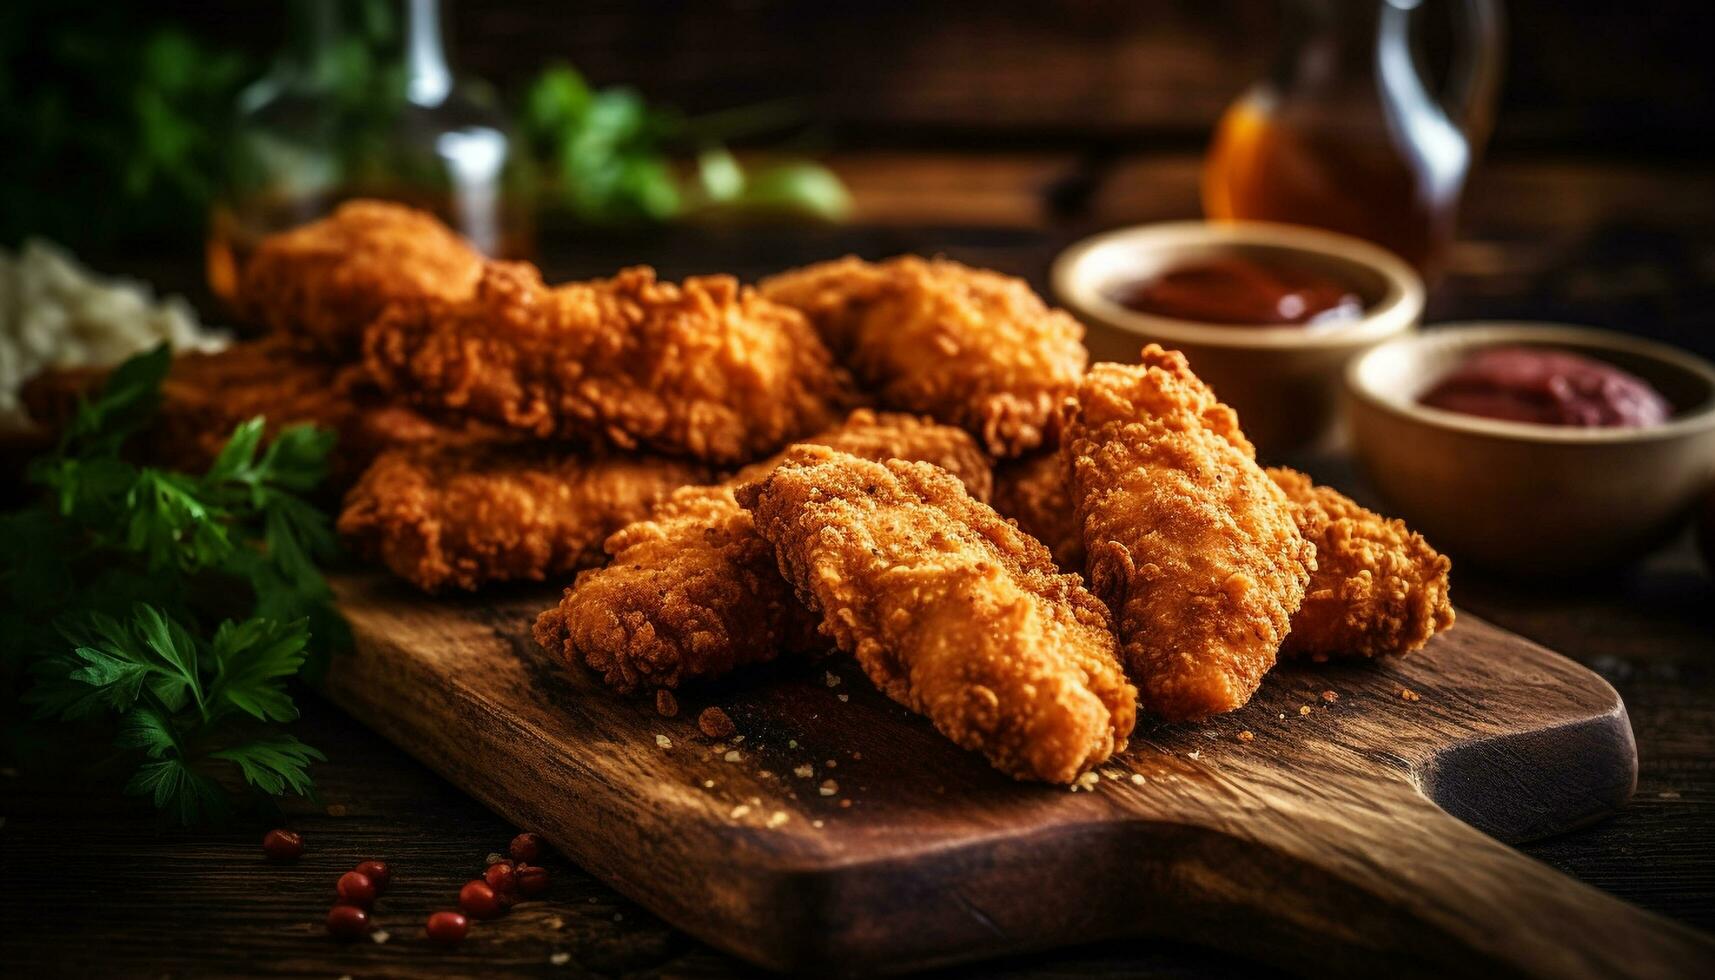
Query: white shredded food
{"x":54,"y":313}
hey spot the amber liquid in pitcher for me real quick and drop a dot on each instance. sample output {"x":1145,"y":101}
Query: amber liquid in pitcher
{"x":1263,"y":169}
{"x":1344,"y":135}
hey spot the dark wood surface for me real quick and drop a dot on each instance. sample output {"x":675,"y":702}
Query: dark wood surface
{"x":1317,"y":827}
{"x":94,"y":888}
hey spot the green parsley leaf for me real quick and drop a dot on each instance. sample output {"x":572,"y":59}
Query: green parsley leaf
{"x":180,"y":790}
{"x":251,"y":660}
{"x":274,"y":765}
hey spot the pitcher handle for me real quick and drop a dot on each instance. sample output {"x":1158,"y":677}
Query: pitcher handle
{"x":1479,"y":33}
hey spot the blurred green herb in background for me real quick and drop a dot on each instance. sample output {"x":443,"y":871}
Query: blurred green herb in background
{"x":164,"y":612}
{"x":124,"y":131}
{"x":609,"y":156}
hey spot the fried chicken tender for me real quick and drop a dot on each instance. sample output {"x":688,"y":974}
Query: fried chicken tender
{"x":1032,"y":491}
{"x":693,"y":592}
{"x":1378,"y":588}
{"x":464,"y":515}
{"x":324,"y":282}
{"x":970,"y":347}
{"x":706,"y":369}
{"x":950,"y":609}
{"x":1189,"y":542}
{"x":205,"y":396}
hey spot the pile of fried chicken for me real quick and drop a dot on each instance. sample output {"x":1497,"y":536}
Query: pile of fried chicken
{"x":908,"y":459}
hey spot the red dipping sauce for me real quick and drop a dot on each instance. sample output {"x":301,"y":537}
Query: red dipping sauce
{"x":1548,"y":387}
{"x":1239,"y":291}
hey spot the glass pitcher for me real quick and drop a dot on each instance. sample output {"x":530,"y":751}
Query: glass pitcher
{"x":343,"y":114}
{"x":1344,"y":134}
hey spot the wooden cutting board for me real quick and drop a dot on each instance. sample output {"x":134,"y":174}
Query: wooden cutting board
{"x":1336,"y":823}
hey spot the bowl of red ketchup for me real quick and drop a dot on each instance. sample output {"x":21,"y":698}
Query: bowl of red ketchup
{"x":1268,"y":314}
{"x":1536,"y":449}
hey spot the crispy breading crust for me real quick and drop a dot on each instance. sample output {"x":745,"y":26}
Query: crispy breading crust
{"x":705,"y":369}
{"x":950,"y":609}
{"x":1378,"y":588}
{"x":465,"y":515}
{"x":324,"y":282}
{"x":1032,"y":491}
{"x":970,"y":347}
{"x":1188,"y":541}
{"x":205,"y":396}
{"x":693,"y":592}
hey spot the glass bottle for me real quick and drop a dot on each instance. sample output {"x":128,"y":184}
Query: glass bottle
{"x":1343,"y":133}
{"x":344,"y":114}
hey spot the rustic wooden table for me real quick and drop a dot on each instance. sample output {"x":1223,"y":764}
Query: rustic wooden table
{"x":92,"y":888}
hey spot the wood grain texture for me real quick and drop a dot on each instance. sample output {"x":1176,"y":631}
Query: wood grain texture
{"x":1312,"y":844}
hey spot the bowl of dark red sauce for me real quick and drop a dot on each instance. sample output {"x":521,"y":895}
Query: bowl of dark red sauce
{"x":1536,"y":449}
{"x":1268,"y":314}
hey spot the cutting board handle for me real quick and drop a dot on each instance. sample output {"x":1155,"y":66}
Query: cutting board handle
{"x":1366,"y":874}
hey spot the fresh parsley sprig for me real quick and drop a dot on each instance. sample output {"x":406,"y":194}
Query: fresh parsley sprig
{"x":123,"y":572}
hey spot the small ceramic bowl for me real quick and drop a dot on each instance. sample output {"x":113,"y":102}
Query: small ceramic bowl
{"x":1283,"y":381}
{"x":1529,"y":499}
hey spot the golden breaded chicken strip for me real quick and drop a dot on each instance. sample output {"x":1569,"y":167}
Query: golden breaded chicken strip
{"x":324,"y":282}
{"x":706,"y":369}
{"x":469,"y":514}
{"x":693,"y":591}
{"x":1189,"y":542}
{"x":950,"y":609}
{"x":970,"y":347}
{"x":1032,"y":491}
{"x":1378,"y":587}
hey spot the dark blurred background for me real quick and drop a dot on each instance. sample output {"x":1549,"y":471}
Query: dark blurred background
{"x":1588,"y":77}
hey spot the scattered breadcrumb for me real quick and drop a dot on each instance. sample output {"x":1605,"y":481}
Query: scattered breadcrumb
{"x":1246,"y":736}
{"x":555,"y":922}
{"x":1408,"y":694}
{"x":732,"y":756}
{"x":804,"y":771}
{"x":666,"y":705}
{"x":736,"y":739}
{"x":708,"y":784}
{"x":492,"y":858}
{"x":1668,"y":794}
{"x":843,"y":697}
{"x":560,"y":959}
{"x":1137,"y":779}
{"x":777,"y":818}
{"x":1086,"y":781}
{"x":832,"y":763}
{"x":857,"y":756}
{"x":1110,"y":774}
{"x":380,"y":936}
{"x":1194,"y":754}
{"x":1330,"y":696}
{"x":817,"y":824}
{"x":791,"y":743}
{"x":1283,"y":714}
{"x":663,"y":741}
{"x":832,"y":680}
{"x":715,"y":724}
{"x":740,"y":811}
{"x":1303,"y":709}
{"x":828,"y":787}
{"x":845,"y":804}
